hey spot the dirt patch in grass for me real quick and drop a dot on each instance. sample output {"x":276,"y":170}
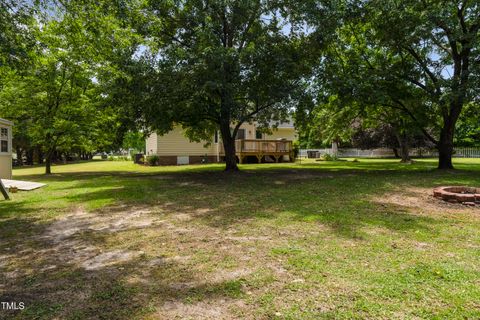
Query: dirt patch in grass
{"x":66,"y":242}
{"x":113,"y":220}
{"x":217,"y":309}
{"x":108,"y":258}
{"x":421,"y":201}
{"x":90,"y":247}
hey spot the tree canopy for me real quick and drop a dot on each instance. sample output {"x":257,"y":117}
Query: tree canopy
{"x":79,"y":75}
{"x":419,"y":58}
{"x":56,"y":100}
{"x":219,"y":64}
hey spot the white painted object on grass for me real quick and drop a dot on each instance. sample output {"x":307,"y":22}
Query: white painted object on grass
{"x":22,"y":185}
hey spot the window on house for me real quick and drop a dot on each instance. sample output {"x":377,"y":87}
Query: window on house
{"x":258,"y":134}
{"x":240,"y":134}
{"x":3,"y":140}
{"x":215,"y":137}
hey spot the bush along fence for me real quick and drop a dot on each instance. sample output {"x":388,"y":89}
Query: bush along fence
{"x":386,"y":153}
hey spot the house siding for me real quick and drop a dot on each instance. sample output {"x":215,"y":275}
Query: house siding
{"x":5,"y":167}
{"x":152,"y":144}
{"x":6,"y":157}
{"x":282,"y":133}
{"x":175,"y":143}
{"x":249,"y":130}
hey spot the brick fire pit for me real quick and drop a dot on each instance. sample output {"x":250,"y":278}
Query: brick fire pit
{"x":465,"y":195}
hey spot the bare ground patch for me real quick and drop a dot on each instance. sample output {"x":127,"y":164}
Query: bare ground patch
{"x":421,"y":201}
{"x":62,"y":243}
{"x":180,"y":259}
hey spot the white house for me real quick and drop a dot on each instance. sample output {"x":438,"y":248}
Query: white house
{"x":5,"y":149}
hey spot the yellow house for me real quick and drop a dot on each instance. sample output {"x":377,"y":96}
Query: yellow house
{"x":5,"y":149}
{"x":251,"y":144}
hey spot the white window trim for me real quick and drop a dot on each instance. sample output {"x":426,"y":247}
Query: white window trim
{"x":9,"y":141}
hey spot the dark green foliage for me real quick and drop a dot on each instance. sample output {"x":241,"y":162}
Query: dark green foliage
{"x":153,"y":160}
{"x":16,"y":41}
{"x":410,"y":64}
{"x":134,"y":140}
{"x":468,"y":127}
{"x":60,"y":101}
{"x":220,"y":64}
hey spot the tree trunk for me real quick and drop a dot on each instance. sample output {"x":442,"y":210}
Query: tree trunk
{"x":402,"y":139}
{"x":395,"y":152}
{"x":335,"y":147}
{"x":48,"y":162}
{"x":445,"y":147}
{"x":405,"y":151}
{"x":48,"y":165}
{"x":29,"y":155}
{"x":228,"y":147}
{"x":19,"y":157}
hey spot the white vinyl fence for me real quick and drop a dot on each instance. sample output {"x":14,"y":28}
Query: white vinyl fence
{"x":387,"y":153}
{"x":467,"y":152}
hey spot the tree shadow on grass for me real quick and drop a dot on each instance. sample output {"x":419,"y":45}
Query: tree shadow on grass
{"x":339,"y":200}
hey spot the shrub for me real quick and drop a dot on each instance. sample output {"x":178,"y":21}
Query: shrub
{"x":205,"y":159}
{"x":153,"y":160}
{"x":329,"y":157}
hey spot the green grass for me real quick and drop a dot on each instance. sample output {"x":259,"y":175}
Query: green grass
{"x":309,"y":240}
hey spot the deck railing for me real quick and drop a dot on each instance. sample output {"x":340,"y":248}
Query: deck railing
{"x":262,"y":146}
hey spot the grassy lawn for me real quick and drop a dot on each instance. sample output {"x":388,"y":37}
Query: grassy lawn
{"x":310,"y":240}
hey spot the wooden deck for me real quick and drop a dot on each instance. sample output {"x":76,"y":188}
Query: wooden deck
{"x":275,"y":149}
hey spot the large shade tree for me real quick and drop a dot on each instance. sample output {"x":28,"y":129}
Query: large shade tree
{"x":57,"y":101}
{"x":218,"y":64}
{"x":442,"y":38}
{"x":418,"y":57}
{"x":439,"y":49}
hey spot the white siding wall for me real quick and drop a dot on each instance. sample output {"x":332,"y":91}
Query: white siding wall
{"x":152,"y":144}
{"x":6,"y":157}
{"x":5,"y":167}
